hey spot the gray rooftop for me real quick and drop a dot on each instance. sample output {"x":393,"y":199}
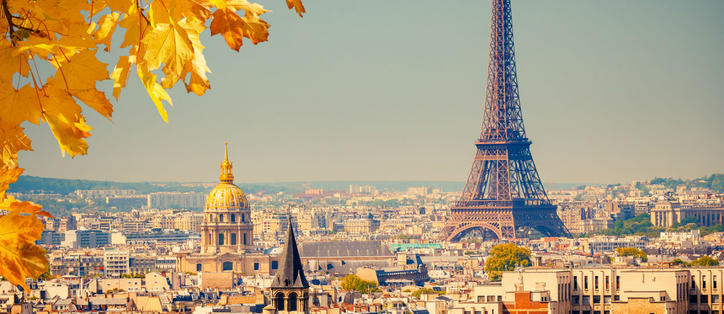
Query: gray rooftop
{"x":344,"y":249}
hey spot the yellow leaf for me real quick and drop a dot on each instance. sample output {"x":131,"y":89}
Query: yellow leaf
{"x":106,"y":28}
{"x":13,"y":62}
{"x":19,"y":256}
{"x":220,"y":4}
{"x":8,"y":175}
{"x":80,"y":75}
{"x":198,"y":82}
{"x":12,"y":140}
{"x":297,"y":5}
{"x":135,"y":25}
{"x":155,"y":91}
{"x":168,"y":44}
{"x":67,"y":124}
{"x":158,"y":13}
{"x":249,"y":8}
{"x":120,"y":75}
{"x":17,"y":106}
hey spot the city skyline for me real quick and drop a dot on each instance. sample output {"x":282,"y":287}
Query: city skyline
{"x":596,"y":113}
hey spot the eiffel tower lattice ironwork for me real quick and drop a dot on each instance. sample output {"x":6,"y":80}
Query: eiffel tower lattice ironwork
{"x":503,"y":193}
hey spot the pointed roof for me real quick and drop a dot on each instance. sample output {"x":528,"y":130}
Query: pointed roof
{"x":291,"y":271}
{"x":227,"y":175}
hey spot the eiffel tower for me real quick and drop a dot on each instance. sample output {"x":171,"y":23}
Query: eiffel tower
{"x":503,"y":194}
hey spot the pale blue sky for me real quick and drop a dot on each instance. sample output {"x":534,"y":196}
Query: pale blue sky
{"x":611,"y":91}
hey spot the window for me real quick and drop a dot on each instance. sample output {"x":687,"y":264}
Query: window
{"x":703,"y":282}
{"x":491,"y":298}
{"x":198,"y":267}
{"x":227,"y":266}
{"x":662,"y":298}
{"x":221,"y":239}
{"x":221,"y":217}
{"x":481,"y":299}
{"x":618,"y":282}
{"x":586,"y":300}
{"x":233,"y":218}
{"x":233,"y":239}
{"x":693,"y":282}
{"x":606,"y":283}
{"x":574,"y":300}
{"x":596,"y":299}
{"x":692,"y":299}
{"x":715,"y":298}
{"x":575,"y":283}
{"x":279,"y":301}
{"x":585,"y":282}
{"x":244,"y":238}
{"x":256,"y":266}
{"x":713,"y":281}
{"x":242,"y":217}
{"x":607,"y":299}
{"x":617,"y":298}
{"x":275,"y":264}
{"x":500,"y":298}
{"x":595,"y":282}
{"x":704,"y":298}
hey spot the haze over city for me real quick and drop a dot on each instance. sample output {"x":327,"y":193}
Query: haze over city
{"x":610,"y":91}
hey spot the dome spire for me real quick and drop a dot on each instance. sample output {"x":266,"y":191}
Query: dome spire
{"x":226,"y":175}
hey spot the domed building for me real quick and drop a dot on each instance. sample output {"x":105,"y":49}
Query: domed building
{"x":227,"y":242}
{"x":227,"y":223}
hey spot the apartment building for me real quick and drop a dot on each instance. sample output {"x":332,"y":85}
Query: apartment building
{"x":601,"y":289}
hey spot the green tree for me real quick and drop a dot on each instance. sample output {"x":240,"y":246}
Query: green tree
{"x":678,"y":261}
{"x":632,"y":251}
{"x":505,"y":257}
{"x":354,"y":282}
{"x":705,"y":261}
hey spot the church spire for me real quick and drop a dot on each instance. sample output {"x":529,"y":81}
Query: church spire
{"x":291,"y":270}
{"x":226,"y":175}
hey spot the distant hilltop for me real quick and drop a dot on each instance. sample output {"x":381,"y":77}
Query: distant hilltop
{"x":33,"y":184}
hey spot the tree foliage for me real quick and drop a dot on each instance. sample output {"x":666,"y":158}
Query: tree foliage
{"x":678,"y":261}
{"x":705,"y":261}
{"x":632,"y":251}
{"x":355,"y":283}
{"x":506,"y":257}
{"x":50,"y":65}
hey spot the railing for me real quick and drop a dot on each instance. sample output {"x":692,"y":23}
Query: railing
{"x":501,"y":204}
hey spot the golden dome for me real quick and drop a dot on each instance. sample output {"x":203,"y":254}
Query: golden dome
{"x":226,"y":195}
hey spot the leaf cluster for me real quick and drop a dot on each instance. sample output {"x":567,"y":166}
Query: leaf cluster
{"x":506,"y":257}
{"x":50,"y":65}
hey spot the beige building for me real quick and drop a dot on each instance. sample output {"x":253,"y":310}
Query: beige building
{"x":665,"y":214}
{"x":361,"y":225}
{"x":227,"y":242}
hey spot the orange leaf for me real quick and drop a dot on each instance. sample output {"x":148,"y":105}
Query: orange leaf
{"x":227,"y":23}
{"x":11,"y":204}
{"x":297,"y":5}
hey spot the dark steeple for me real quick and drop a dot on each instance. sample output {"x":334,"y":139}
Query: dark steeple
{"x":291,"y":271}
